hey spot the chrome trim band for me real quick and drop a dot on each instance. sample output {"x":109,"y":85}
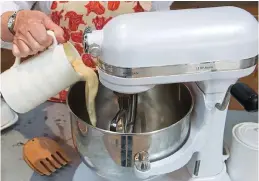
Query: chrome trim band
{"x":85,"y":39}
{"x":176,"y":69}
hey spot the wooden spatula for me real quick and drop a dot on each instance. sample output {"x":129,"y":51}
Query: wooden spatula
{"x":32,"y":167}
{"x":44,"y":155}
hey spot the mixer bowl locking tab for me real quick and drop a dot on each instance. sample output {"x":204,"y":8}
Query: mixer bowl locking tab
{"x":142,"y":162}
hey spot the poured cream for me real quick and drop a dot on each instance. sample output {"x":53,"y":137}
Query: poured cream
{"x":91,"y":85}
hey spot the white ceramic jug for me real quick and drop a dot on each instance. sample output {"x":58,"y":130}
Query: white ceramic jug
{"x":25,"y":86}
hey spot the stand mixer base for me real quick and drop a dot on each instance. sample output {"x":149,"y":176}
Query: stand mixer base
{"x":83,"y":173}
{"x":223,"y":176}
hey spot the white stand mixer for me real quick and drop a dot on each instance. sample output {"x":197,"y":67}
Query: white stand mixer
{"x":209,"y":49}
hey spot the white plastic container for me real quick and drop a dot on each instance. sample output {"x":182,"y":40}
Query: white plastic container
{"x":243,"y":162}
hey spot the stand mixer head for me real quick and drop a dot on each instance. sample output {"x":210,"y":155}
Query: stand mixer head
{"x":137,"y":51}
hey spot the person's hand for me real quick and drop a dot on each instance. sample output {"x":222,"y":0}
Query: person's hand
{"x":31,"y":33}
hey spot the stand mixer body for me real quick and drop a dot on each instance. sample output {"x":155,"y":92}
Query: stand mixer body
{"x":208,"y":49}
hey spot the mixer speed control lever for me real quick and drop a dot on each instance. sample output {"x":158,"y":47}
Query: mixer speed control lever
{"x":245,"y":95}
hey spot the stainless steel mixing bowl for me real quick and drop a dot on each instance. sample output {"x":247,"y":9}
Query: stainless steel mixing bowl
{"x":162,"y":126}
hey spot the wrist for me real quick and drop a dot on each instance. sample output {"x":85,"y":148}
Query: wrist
{"x":12,"y":20}
{"x":6,"y":35}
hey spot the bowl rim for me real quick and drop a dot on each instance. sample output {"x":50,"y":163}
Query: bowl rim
{"x":138,"y":134}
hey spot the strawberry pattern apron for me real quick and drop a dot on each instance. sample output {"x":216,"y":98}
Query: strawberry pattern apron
{"x":74,"y":16}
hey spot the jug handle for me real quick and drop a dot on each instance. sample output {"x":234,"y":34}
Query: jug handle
{"x":54,"y":44}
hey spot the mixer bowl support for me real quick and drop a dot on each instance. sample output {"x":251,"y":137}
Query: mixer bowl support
{"x":161,"y":128}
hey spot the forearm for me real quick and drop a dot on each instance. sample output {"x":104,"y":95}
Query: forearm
{"x":6,"y":35}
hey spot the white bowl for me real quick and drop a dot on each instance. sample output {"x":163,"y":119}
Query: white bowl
{"x":8,"y":116}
